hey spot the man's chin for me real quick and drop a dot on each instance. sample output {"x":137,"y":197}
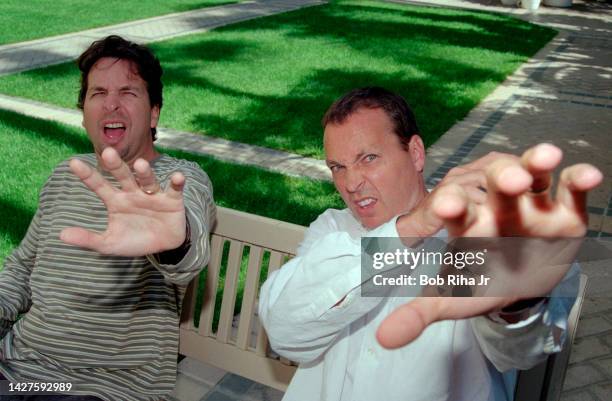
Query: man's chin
{"x":368,"y":221}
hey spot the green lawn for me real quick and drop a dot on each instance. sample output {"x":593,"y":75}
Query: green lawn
{"x":268,"y":81}
{"x":32,"y":148}
{"x":33,"y":19}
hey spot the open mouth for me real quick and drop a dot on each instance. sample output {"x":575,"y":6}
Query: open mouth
{"x":365,"y":205}
{"x":365,"y":202}
{"x":114,"y":131}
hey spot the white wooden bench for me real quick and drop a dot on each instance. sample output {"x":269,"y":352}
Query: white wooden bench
{"x":244,"y":350}
{"x":241,"y":351}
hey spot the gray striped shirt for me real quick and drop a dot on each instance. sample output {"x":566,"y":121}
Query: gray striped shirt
{"x":108,"y":324}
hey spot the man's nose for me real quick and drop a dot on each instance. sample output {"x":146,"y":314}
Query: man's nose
{"x":354,"y":180}
{"x":111,"y":102}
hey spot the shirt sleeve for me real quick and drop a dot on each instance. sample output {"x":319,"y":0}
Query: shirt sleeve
{"x":200,"y":213}
{"x":15,"y":292}
{"x":526,"y":343}
{"x":306,"y":304}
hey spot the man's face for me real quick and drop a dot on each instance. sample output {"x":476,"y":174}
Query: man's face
{"x":117,"y":111}
{"x":376,"y":177}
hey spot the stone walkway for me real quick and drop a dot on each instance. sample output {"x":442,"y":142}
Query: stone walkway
{"x":562,"y":95}
{"x":59,"y":49}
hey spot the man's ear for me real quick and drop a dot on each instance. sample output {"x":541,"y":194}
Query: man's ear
{"x":154,"y":116}
{"x":416,"y":147}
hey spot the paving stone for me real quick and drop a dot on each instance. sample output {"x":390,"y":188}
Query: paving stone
{"x":581,"y":375}
{"x":235,"y":385}
{"x":259,"y":392}
{"x":588,"y":348}
{"x":201,"y":372}
{"x":218,"y":396}
{"x":606,"y":339}
{"x":603,"y":391}
{"x":593,"y":325}
{"x":596,"y":305}
{"x":581,"y":395}
{"x":607,"y":222}
{"x":605,"y":364}
{"x":188,"y":389}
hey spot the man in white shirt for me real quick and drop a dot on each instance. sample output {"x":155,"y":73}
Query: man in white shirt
{"x":312,"y":308}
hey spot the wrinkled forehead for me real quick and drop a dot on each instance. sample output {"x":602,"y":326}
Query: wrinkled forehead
{"x":117,"y":68}
{"x":368,"y":130}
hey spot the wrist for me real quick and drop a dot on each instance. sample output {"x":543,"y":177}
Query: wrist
{"x":173,"y":256}
{"x":519,"y":310}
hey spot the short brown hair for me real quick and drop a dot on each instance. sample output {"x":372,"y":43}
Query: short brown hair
{"x":402,"y":117}
{"x":147,"y":66}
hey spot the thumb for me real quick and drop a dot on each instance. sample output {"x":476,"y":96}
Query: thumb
{"x":82,"y":238}
{"x":407,"y":322}
{"x":420,"y":222}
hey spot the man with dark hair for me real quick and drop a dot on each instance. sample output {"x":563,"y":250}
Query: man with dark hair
{"x":99,"y":277}
{"x":312,"y":308}
{"x":141,"y":58}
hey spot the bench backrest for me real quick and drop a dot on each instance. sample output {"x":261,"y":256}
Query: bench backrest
{"x":238,"y":345}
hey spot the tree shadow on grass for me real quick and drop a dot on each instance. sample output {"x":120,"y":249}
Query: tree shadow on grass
{"x":292,"y":122}
{"x":14,"y":221}
{"x":201,"y":48}
{"x":52,"y":131}
{"x":15,"y":216}
{"x":359,"y":25}
{"x":265,"y":193}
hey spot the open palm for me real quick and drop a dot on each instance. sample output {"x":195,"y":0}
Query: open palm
{"x":139,"y":223}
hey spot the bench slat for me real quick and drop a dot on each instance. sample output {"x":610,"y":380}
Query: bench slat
{"x":189,"y":302}
{"x":212,"y":282}
{"x":262,"y":346}
{"x":229,"y":291}
{"x":249,"y":298}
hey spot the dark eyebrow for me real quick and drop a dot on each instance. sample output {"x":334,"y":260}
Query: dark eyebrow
{"x":96,"y":89}
{"x":129,"y":88}
{"x":357,"y":158}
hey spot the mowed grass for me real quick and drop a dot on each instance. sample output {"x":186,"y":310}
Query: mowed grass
{"x":32,"y":148}
{"x":269,"y":81}
{"x":33,"y":19}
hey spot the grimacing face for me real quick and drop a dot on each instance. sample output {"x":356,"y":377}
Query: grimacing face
{"x":117,"y":111}
{"x":376,"y":177}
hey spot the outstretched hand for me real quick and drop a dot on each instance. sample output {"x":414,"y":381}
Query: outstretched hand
{"x":517,"y":203}
{"x":424,"y":221}
{"x":142,"y":219}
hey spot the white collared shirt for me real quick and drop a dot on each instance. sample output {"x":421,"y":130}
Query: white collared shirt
{"x":335,"y":344}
